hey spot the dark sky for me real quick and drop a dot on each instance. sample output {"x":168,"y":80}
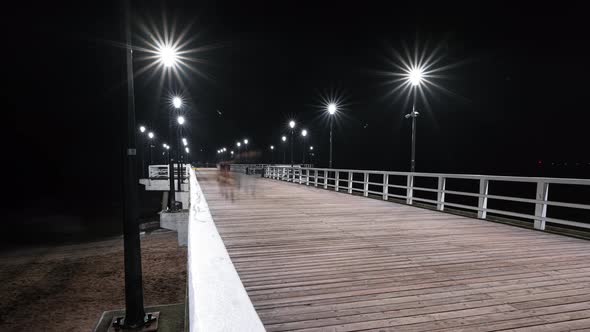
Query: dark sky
{"x":518,"y":91}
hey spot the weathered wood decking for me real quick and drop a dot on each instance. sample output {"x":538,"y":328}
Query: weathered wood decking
{"x":317,"y":260}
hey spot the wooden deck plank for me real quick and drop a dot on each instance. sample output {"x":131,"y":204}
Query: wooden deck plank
{"x":317,"y":260}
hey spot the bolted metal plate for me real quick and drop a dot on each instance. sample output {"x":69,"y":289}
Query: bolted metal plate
{"x":151,"y":327}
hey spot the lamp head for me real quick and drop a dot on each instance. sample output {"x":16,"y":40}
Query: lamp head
{"x":332,"y":108}
{"x":415,"y":76}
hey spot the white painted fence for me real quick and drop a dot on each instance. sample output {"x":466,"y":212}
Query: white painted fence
{"x":259,"y":168}
{"x":362,"y":181}
{"x":162,"y":171}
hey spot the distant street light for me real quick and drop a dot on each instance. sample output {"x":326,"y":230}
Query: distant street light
{"x":186,"y":149}
{"x":303,"y":135}
{"x":184,"y":141}
{"x":414,"y":77}
{"x":331,"y":111}
{"x":142,"y":129}
{"x":180,"y":120}
{"x":292,"y":126}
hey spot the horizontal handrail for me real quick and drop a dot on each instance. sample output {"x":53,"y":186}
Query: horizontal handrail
{"x":345,"y":180}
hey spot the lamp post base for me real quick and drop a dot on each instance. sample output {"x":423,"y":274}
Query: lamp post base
{"x":150,"y":325}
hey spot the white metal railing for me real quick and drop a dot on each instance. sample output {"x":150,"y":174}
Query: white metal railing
{"x":162,"y":171}
{"x":365,"y":181}
{"x":259,"y":168}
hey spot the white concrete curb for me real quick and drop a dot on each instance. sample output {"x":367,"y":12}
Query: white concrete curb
{"x":217,"y":298}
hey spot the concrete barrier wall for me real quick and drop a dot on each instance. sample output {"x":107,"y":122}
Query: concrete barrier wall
{"x":217,"y":298}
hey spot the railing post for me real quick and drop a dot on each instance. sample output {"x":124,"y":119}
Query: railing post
{"x":315,"y":177}
{"x":325,"y":179}
{"x":307,"y":177}
{"x":366,"y":184}
{"x":440,"y":199}
{"x":283,"y":175}
{"x":300,"y":176}
{"x":541,"y":208}
{"x":336,"y":180}
{"x":350,"y":182}
{"x":410,"y":189}
{"x":482,"y":202}
{"x":385,"y":187}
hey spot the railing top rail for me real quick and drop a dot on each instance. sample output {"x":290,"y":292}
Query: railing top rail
{"x":460,"y":176}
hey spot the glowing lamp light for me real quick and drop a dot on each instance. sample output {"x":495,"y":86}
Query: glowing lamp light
{"x":180,"y":120}
{"x":415,"y":76}
{"x":177,"y":102}
{"x":231,"y":152}
{"x":292,"y":124}
{"x":239,"y":144}
{"x":142,"y":129}
{"x":184,"y":142}
{"x":168,"y":56}
{"x":304,"y":133}
{"x":311,"y":148}
{"x":150,"y":135}
{"x":186,"y":149}
{"x":284,"y":138}
{"x":272,"y":147}
{"x":332,"y":108}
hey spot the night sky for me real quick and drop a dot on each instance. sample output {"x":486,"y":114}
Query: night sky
{"x":518,"y":101}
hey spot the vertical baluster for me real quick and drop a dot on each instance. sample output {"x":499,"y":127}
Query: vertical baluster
{"x":385,"y":187}
{"x":336,"y":181}
{"x":541,"y":208}
{"x":366,"y":184}
{"x":350,"y":176}
{"x":482,"y":202}
{"x":410,"y":189}
{"x":442,"y":183}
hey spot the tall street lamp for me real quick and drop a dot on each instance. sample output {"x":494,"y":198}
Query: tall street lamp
{"x":292,"y":126}
{"x":331,"y":111}
{"x":272,"y":154}
{"x":142,"y":130}
{"x":180,"y":121}
{"x":303,"y":135}
{"x":284,"y":139}
{"x":177,"y":104}
{"x":414,"y":77}
{"x":246,"y":148}
{"x":151,"y":137}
